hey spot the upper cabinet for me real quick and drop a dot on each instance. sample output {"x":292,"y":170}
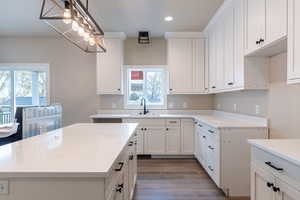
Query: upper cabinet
{"x":293,"y":71}
{"x":266,"y":25}
{"x":110,"y":65}
{"x":186,"y":63}
{"x":228,"y":68}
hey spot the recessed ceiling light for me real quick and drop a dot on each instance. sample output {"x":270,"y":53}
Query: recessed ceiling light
{"x":168,"y":18}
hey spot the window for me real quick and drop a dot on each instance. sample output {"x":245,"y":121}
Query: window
{"x":21,"y":85}
{"x":148,"y":83}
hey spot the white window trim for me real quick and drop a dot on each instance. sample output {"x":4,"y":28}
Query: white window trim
{"x":137,"y":107}
{"x":42,"y":67}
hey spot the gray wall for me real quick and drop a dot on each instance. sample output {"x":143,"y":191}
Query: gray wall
{"x":154,"y":54}
{"x":281,"y":103}
{"x":72,"y":72}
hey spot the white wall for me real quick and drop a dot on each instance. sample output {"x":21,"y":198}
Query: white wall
{"x":72,"y":72}
{"x":281,"y":103}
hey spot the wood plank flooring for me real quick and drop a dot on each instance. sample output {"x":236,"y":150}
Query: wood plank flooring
{"x":174,"y":179}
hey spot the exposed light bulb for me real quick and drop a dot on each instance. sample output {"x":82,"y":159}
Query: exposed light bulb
{"x":86,"y":36}
{"x":80,"y":31}
{"x":75,"y":25}
{"x":92,"y":42}
{"x":67,"y":16}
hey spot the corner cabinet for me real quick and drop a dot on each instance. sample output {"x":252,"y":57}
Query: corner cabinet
{"x":293,"y":71}
{"x":110,"y":65}
{"x":228,"y":69}
{"x":186,"y":63}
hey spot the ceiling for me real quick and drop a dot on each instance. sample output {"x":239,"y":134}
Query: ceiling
{"x":21,"y":17}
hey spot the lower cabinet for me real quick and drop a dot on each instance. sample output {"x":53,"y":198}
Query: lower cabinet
{"x":140,"y":141}
{"x":172,"y":140}
{"x":154,"y":141}
{"x":273,"y":178}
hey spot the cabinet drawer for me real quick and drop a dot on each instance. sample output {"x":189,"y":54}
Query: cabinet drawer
{"x":172,"y":122}
{"x":278,"y":166}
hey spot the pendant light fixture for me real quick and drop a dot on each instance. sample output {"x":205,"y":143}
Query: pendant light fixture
{"x":71,"y":19}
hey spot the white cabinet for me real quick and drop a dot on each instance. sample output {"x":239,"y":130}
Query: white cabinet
{"x":187,"y":136}
{"x":273,"y":177}
{"x":293,"y":71}
{"x":266,"y":24}
{"x":110,"y":66}
{"x":186,"y":64}
{"x":140,"y":141}
{"x":172,"y":140}
{"x":228,"y":69}
{"x":154,"y":141}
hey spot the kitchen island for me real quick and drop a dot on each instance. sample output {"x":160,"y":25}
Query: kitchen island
{"x":82,"y":161}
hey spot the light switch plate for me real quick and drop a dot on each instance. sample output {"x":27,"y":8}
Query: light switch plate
{"x":3,"y":187}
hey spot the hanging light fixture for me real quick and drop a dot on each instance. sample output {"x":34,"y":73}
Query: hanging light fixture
{"x":71,"y":19}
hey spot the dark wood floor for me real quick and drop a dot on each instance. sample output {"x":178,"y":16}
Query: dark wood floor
{"x":174,"y":179}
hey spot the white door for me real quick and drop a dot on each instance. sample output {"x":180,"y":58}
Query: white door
{"x":293,"y":41}
{"x":276,"y":19}
{"x":109,"y":68}
{"x":255,"y":23}
{"x":287,"y":191}
{"x":262,"y":183}
{"x":199,"y":65}
{"x":180,"y":65}
{"x":187,"y":137}
{"x":229,"y":64}
{"x":154,"y":141}
{"x":173,"y":140}
{"x":140,"y":142}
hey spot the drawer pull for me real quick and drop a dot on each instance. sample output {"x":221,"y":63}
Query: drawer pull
{"x":121,"y":185}
{"x":274,"y":167}
{"x":167,"y":129}
{"x":211,"y":131}
{"x":121,"y":164}
{"x":210,"y":147}
{"x":196,"y":123}
{"x":172,"y":122}
{"x":210,"y":168}
{"x":200,"y":125}
{"x":130,"y":144}
{"x":204,"y":136}
{"x":131,"y":157}
{"x":270,"y":184}
{"x":119,"y":189}
{"x":276,"y":189}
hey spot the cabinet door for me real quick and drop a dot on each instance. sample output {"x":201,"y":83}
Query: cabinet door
{"x":229,"y":64}
{"x":109,"y":68}
{"x":180,"y":66}
{"x":140,"y":142}
{"x":212,"y":61}
{"x":276,"y":19}
{"x":132,"y":163}
{"x":187,"y":137}
{"x":255,"y":23}
{"x":287,"y":191}
{"x":154,"y":141}
{"x":220,"y":54}
{"x":203,"y":148}
{"x":173,"y":140}
{"x":199,"y":65}
{"x":261,"y":184}
{"x":196,"y":142}
{"x":293,"y":41}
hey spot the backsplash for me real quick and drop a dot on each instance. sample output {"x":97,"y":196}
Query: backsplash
{"x":175,"y":102}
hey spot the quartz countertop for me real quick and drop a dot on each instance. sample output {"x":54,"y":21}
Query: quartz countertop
{"x":79,"y":150}
{"x":213,"y":119}
{"x":287,"y":149}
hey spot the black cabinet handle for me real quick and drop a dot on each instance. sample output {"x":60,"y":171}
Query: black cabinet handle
{"x":230,"y":83}
{"x":196,"y":123}
{"x":274,"y":167}
{"x":210,"y":168}
{"x":204,"y":136}
{"x":200,"y":125}
{"x":121,"y":164}
{"x":211,"y":131}
{"x":145,"y":129}
{"x":119,"y":189}
{"x":261,"y":40}
{"x":121,"y":185}
{"x":210,"y":147}
{"x":167,"y":129}
{"x":131,"y":157}
{"x":119,"y":89}
{"x":171,"y":89}
{"x":270,"y":184}
{"x":213,"y":87}
{"x":130,"y":144}
{"x":276,"y":189}
{"x":257,"y":42}
{"x":142,"y":129}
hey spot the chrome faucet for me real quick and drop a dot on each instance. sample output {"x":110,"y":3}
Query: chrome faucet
{"x":143,"y":103}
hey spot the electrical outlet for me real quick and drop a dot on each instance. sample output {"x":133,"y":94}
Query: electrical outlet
{"x":3,"y":186}
{"x":257,"y":109}
{"x":234,"y":107}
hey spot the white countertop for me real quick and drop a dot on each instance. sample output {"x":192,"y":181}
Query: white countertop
{"x":80,"y":150}
{"x":213,"y":119}
{"x":287,"y":149}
